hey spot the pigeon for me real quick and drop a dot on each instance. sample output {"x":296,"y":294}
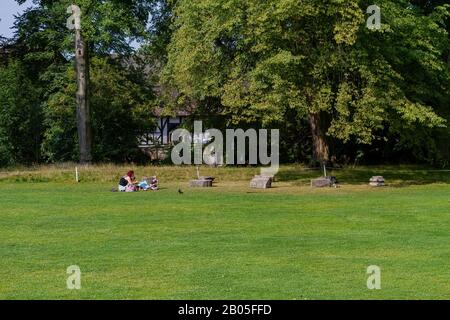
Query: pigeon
{"x":179,"y":191}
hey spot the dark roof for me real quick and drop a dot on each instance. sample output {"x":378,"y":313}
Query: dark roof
{"x":162,"y":112}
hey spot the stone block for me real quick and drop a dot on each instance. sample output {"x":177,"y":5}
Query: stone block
{"x":201,"y":183}
{"x":323,"y":182}
{"x":377,"y":181}
{"x":261,"y":182}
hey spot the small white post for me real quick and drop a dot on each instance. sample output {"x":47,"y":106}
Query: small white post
{"x":198,"y":174}
{"x":76,"y":174}
{"x":325,"y":170}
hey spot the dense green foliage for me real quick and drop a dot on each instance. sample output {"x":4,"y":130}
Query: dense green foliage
{"x":38,"y":83}
{"x":338,"y":91}
{"x":121,"y":114}
{"x":275,"y":61}
{"x":20,"y":116}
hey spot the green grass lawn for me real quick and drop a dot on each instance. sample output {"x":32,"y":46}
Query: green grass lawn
{"x":228,"y":242}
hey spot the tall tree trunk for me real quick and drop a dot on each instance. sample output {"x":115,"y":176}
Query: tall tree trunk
{"x":83,"y":112}
{"x":320,"y":145}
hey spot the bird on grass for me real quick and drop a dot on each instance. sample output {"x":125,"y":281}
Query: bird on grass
{"x":180,"y":191}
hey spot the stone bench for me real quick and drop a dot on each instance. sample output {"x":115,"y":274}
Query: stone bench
{"x":324,"y":182}
{"x":201,"y":183}
{"x":261,"y":182}
{"x":377,"y":181}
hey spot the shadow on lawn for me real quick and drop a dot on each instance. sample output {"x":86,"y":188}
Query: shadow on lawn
{"x":400,"y":176}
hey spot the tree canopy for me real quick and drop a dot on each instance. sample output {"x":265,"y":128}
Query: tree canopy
{"x":336,"y":88}
{"x":267,"y":60}
{"x":43,"y":49}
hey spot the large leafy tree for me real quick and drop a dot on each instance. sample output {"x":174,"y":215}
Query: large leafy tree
{"x":269,"y":61}
{"x":121,"y":113}
{"x":107,"y":27}
{"x":43,"y":40}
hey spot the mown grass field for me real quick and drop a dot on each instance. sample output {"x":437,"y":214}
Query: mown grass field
{"x":227,"y":242}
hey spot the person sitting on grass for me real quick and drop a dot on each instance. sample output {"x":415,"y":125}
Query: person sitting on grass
{"x":148,"y":184}
{"x":127,"y":182}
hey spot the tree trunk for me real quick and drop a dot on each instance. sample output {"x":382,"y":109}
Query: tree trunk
{"x":83,"y":112}
{"x":320,"y":145}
